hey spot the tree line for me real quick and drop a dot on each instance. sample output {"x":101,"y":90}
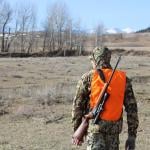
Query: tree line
{"x":19,"y":31}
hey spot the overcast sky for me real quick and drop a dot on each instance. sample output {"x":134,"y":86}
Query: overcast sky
{"x":112,"y":13}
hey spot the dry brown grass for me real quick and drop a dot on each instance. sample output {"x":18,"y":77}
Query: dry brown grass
{"x":37,"y":93}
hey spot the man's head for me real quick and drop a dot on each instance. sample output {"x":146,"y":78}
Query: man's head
{"x":101,"y":57}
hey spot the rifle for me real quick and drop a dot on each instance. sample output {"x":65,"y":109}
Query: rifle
{"x":95,"y":113}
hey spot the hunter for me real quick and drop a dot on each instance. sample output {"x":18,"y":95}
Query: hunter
{"x":105,"y":134}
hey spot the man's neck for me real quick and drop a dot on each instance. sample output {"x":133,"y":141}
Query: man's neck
{"x":104,"y":66}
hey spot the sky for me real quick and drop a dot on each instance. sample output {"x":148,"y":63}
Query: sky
{"x":120,"y":14}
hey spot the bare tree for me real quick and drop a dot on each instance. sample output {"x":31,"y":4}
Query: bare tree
{"x":45,"y":38}
{"x":12,"y":34}
{"x":49,"y":34}
{"x":57,"y":21}
{"x":99,"y":31}
{"x":5,"y":17}
{"x":26,"y":22}
{"x":61,"y":15}
{"x":69,"y":35}
{"x":79,"y":37}
{"x":32,"y":33}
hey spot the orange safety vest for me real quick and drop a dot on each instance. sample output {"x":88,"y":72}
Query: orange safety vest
{"x":114,"y":104}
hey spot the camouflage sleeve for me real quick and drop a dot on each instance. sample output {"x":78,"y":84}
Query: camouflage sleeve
{"x":131,"y":109}
{"x":81,"y":99}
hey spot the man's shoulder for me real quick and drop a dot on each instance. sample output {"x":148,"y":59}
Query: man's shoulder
{"x":87,"y":76}
{"x":128,"y":82}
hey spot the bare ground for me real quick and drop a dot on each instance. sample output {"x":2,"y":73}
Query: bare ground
{"x":36,"y":97}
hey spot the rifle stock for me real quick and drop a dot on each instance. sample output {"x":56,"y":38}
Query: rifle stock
{"x":82,"y":129}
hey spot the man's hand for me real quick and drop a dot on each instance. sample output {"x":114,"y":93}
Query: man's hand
{"x":81,"y":132}
{"x":130,"y":143}
{"x":77,"y":142}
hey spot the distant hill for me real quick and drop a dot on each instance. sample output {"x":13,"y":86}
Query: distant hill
{"x":144,"y":30}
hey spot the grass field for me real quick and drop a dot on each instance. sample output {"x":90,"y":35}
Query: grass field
{"x":36,"y":99}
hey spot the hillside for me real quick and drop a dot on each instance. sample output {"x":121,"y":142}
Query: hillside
{"x":132,"y":41}
{"x":144,"y":30}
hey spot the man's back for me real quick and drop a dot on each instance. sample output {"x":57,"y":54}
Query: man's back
{"x":81,"y":105}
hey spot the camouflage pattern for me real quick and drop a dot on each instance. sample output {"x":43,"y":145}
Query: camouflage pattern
{"x":105,"y":128}
{"x":101,"y":56}
{"x":102,"y":141}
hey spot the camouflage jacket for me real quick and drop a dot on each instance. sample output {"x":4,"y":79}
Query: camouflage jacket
{"x":81,"y":107}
